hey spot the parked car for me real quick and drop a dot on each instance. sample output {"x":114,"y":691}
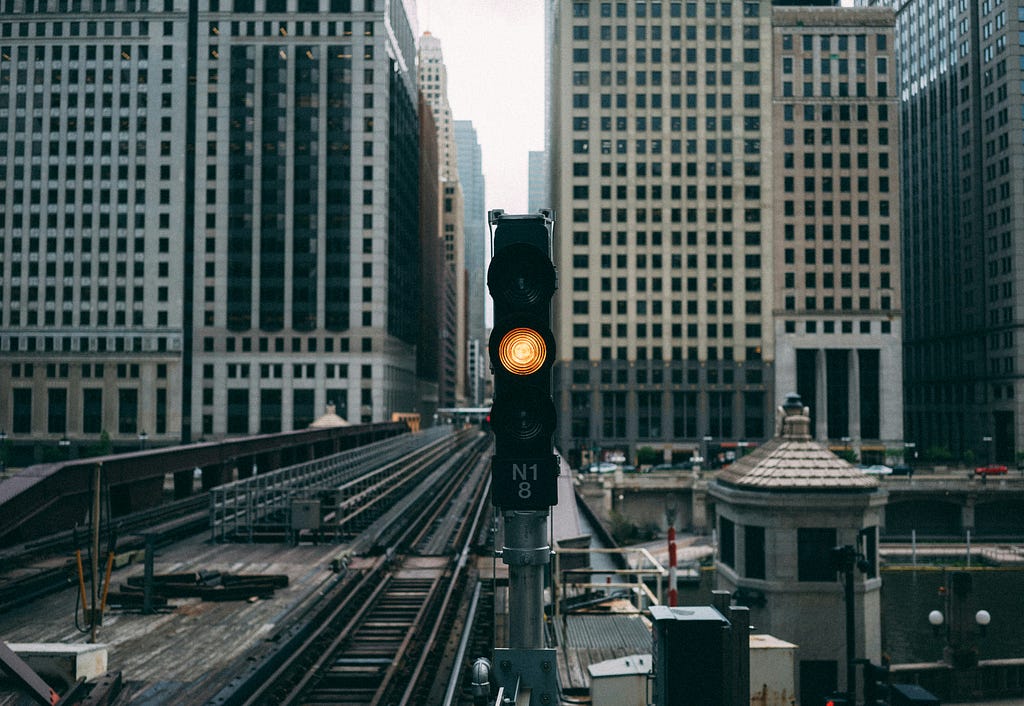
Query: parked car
{"x":990,"y":470}
{"x":902,"y":469}
{"x":603,"y":467}
{"x":877,"y":470}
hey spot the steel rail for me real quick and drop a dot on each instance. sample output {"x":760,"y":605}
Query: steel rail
{"x":323,"y":677}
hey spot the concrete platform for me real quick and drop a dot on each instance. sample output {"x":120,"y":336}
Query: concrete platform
{"x":61,"y":665}
{"x":164,"y":656}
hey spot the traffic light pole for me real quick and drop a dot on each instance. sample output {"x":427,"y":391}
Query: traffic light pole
{"x":527,"y":554}
{"x":524,"y":469}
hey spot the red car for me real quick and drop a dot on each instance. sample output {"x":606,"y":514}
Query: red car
{"x":990,"y":470}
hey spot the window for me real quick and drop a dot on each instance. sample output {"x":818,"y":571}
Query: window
{"x":753,"y":552}
{"x":92,"y":410}
{"x":57,"y":410}
{"x":727,"y":541}
{"x":814,"y":545}
{"x":127,"y":411}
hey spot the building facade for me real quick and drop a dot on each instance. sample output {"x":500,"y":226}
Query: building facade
{"x":960,"y":72}
{"x":667,"y":166}
{"x":211,"y":217}
{"x":433,"y":78}
{"x":835,"y":127}
{"x":477,"y":236}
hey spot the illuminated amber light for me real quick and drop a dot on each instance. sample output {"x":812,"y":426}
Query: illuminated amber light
{"x":522,"y":351}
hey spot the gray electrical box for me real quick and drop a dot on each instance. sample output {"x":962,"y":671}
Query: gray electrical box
{"x":305,"y":514}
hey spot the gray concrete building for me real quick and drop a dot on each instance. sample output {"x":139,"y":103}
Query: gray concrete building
{"x":960,"y":67}
{"x":668,"y":165}
{"x":538,"y":188}
{"x":433,"y":79}
{"x":477,"y":236}
{"x":209,"y":217}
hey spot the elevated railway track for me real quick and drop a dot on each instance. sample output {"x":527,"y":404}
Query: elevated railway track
{"x":398,"y":525}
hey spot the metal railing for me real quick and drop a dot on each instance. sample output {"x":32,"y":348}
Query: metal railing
{"x":239,"y":507}
{"x":631,"y":583}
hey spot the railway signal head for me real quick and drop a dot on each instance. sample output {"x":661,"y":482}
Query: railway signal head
{"x":521,"y":280}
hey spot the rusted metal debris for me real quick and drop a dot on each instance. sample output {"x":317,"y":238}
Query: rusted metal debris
{"x":205,"y":585}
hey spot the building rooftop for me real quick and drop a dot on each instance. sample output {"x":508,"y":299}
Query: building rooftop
{"x":792,"y":461}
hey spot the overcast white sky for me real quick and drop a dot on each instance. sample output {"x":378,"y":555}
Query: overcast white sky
{"x":494,"y":51}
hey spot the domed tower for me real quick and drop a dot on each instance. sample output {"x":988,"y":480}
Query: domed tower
{"x":780,"y":513}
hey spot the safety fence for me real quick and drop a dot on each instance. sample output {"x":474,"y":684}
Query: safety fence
{"x":241,"y":509}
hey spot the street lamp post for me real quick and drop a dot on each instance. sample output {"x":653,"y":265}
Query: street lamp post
{"x":705,"y":447}
{"x":988,"y":446}
{"x":910,"y":452}
{"x":960,"y":651}
{"x":142,"y":440}
{"x":3,"y":451}
{"x":65,"y":443}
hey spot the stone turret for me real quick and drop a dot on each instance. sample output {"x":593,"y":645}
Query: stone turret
{"x":780,"y":511}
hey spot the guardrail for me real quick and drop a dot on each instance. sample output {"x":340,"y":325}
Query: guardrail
{"x":237,"y":508}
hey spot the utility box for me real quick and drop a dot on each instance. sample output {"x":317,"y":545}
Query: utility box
{"x":61,"y":665}
{"x":305,"y":515}
{"x":772,"y":671}
{"x":620,"y":682}
{"x":691,"y":658}
{"x":911,"y":695}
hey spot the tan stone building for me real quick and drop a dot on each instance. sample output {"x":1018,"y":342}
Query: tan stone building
{"x":676,"y":321}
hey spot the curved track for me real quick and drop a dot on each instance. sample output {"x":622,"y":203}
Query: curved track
{"x":369,"y":641}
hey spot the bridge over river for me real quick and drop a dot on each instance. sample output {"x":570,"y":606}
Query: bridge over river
{"x":934,"y":505}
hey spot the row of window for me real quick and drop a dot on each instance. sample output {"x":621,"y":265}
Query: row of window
{"x":640,"y":414}
{"x":654,"y":9}
{"x":655,"y":375}
{"x":842,"y":66}
{"x":75,"y":29}
{"x":122,"y":371}
{"x":844,"y":326}
{"x":657,"y":215}
{"x":271,"y":408}
{"x":639,"y":330}
{"x":814,"y":549}
{"x":31,"y":7}
{"x":87,"y":344}
{"x":712,"y":33}
{"x":752,"y":307}
{"x":91,"y":418}
{"x":583,"y":354}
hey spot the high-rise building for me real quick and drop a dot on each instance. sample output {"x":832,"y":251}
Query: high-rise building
{"x":838,"y":326}
{"x":477,"y":237}
{"x":538,"y":189}
{"x":668,"y":170}
{"x":433,"y":80}
{"x":960,"y":70}
{"x":210,"y":216}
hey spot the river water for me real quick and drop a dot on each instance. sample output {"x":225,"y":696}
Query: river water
{"x":909,"y":594}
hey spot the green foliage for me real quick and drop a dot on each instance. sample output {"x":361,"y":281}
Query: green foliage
{"x":848,"y":455}
{"x":103,"y":447}
{"x":646,"y":455}
{"x":969,"y":457}
{"x":625,"y":532}
{"x":938,"y":454}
